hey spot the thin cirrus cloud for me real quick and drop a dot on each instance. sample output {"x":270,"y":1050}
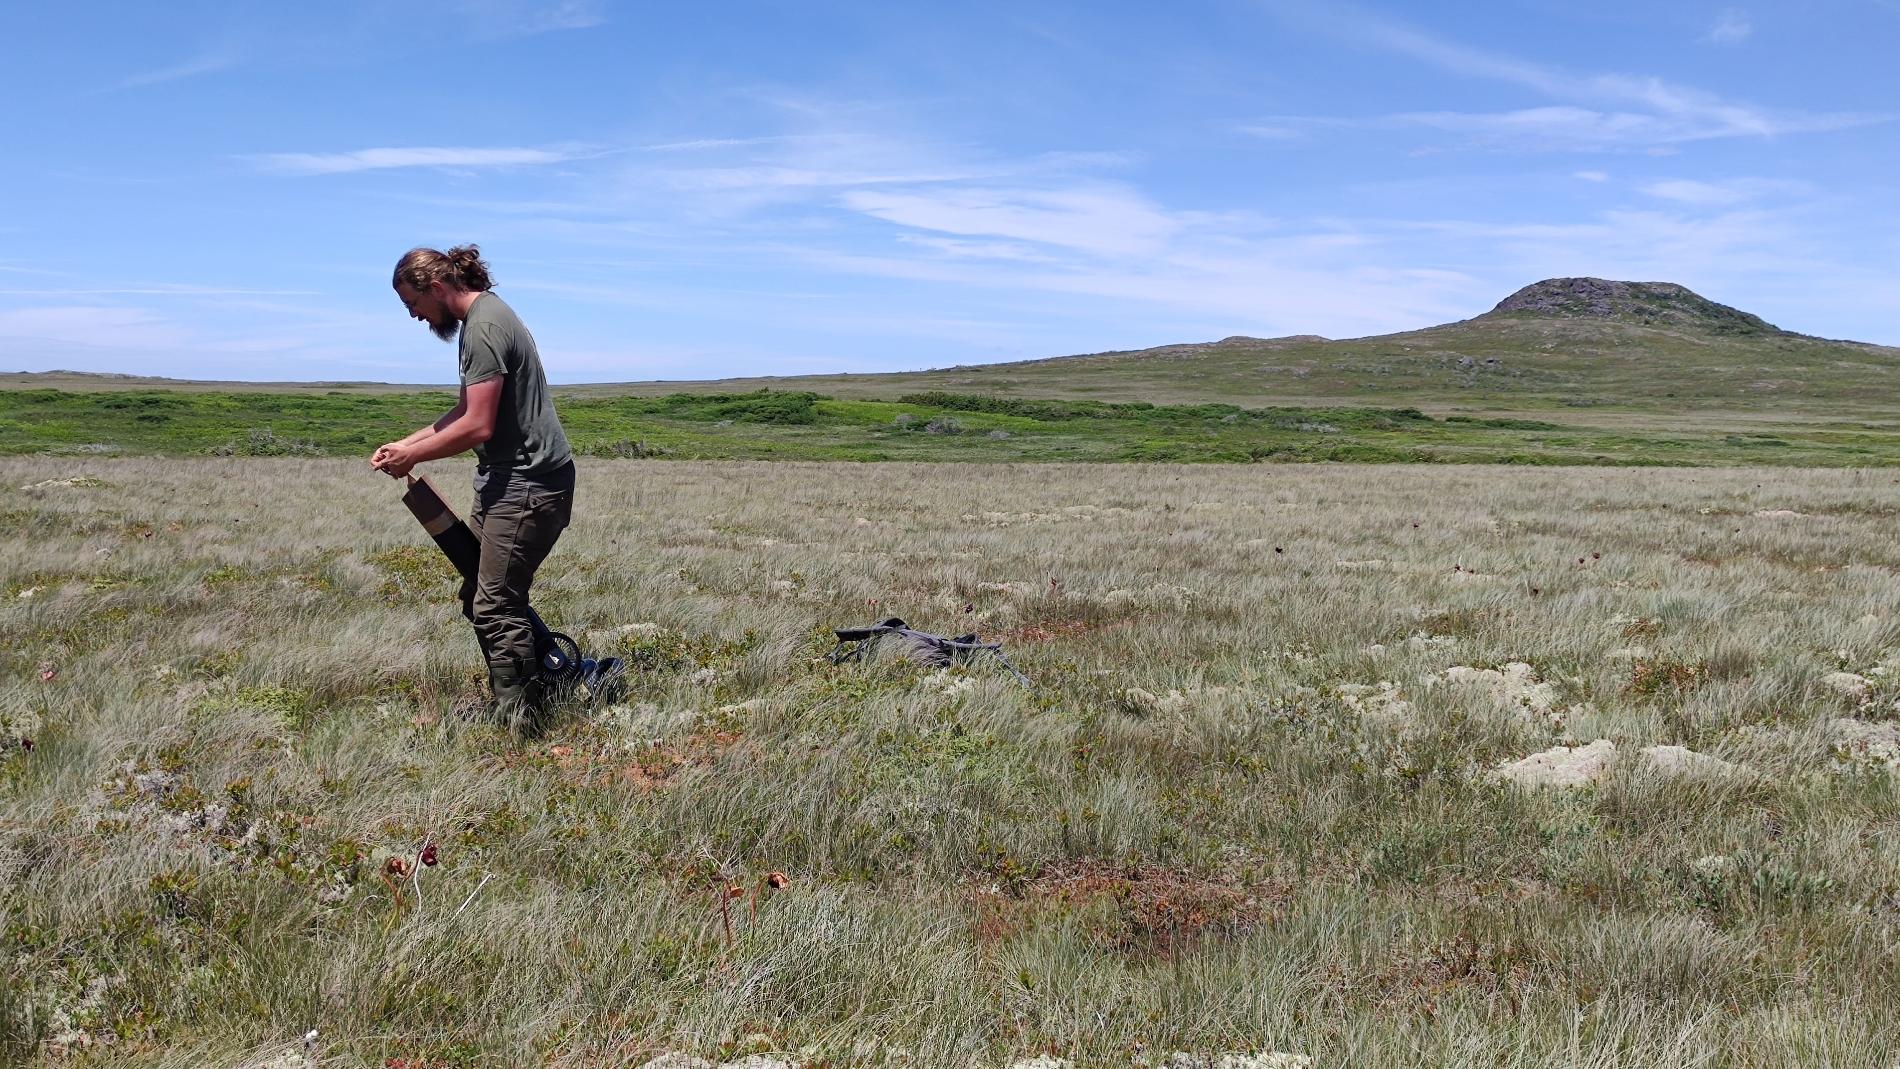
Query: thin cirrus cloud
{"x":1267,"y":286}
{"x":1717,"y":194}
{"x":1575,"y":128}
{"x":1104,"y":220}
{"x":513,"y":18}
{"x":823,"y":158}
{"x":377,"y":159}
{"x":965,"y":249}
{"x":89,"y":327}
{"x":157,"y":291}
{"x":1569,"y":127}
{"x":209,"y":63}
{"x":1731,"y":27}
{"x":1596,"y":111}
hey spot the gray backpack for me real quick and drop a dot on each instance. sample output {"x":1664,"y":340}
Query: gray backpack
{"x":922,"y":647}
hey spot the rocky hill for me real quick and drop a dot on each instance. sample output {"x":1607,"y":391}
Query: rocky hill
{"x":1649,"y":304}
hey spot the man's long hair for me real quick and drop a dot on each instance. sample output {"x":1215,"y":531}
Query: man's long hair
{"x":462,"y":267}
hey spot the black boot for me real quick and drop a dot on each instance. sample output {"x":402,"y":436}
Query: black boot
{"x":521,"y":700}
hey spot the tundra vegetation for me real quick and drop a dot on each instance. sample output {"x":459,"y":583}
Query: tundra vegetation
{"x":937,"y":425}
{"x":1372,"y":765}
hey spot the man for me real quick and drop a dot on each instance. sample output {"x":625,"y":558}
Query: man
{"x":524,"y":477}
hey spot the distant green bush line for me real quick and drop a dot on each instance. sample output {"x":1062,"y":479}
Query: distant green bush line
{"x":924,"y":426}
{"x":763,"y":406}
{"x":1056,"y":411}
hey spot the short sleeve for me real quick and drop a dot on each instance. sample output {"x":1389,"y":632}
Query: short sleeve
{"x":481,"y":356}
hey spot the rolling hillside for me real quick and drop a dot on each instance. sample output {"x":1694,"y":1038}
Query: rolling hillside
{"x":1575,"y":344}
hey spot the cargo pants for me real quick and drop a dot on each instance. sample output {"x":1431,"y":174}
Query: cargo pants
{"x":518,"y":518}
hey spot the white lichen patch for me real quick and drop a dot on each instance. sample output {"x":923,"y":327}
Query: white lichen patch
{"x":1682,"y":761}
{"x":1013,"y":589}
{"x":1263,"y":1060}
{"x":1515,"y":687}
{"x":1848,"y":684}
{"x":1713,"y":869}
{"x":75,"y":1025}
{"x":946,"y":686}
{"x":1561,"y":767}
{"x":1378,"y":701}
{"x":674,"y":1059}
{"x":1861,"y":745}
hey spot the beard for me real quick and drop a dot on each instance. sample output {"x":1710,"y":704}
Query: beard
{"x":444,"y":328}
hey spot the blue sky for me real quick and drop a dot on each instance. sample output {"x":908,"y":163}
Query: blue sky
{"x":214,"y":190}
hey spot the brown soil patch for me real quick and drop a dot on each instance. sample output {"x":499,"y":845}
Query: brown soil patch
{"x":1415,"y":980}
{"x":645,"y":771}
{"x":1135,"y":910}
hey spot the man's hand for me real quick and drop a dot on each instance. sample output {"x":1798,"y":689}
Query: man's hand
{"x":395,"y":458}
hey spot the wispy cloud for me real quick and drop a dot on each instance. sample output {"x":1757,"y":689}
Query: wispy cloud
{"x":1599,"y":111}
{"x":1568,"y":127}
{"x":1592,"y":176}
{"x":1572,"y":127}
{"x":373,"y":159}
{"x":1731,"y":247}
{"x":1287,"y":130}
{"x":772,"y":177}
{"x":208,"y":63}
{"x":706,"y":143}
{"x":962,"y":248}
{"x":162,"y":290}
{"x":1271,"y":288}
{"x":514,"y":18}
{"x":90,"y":327}
{"x":1732,"y":191}
{"x":1103,"y":219}
{"x":1731,"y":27}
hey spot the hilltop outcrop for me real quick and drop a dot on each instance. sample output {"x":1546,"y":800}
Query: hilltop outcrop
{"x":1652,"y":304}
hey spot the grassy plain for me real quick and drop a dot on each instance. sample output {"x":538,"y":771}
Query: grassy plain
{"x":937,"y":426}
{"x":1248,"y":806}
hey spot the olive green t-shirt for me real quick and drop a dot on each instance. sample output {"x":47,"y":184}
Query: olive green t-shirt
{"x":528,"y":437}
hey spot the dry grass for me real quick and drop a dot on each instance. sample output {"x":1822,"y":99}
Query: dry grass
{"x":1246,"y":808}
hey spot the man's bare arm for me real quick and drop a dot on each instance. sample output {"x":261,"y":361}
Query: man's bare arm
{"x":469,"y":425}
{"x":453,"y":414}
